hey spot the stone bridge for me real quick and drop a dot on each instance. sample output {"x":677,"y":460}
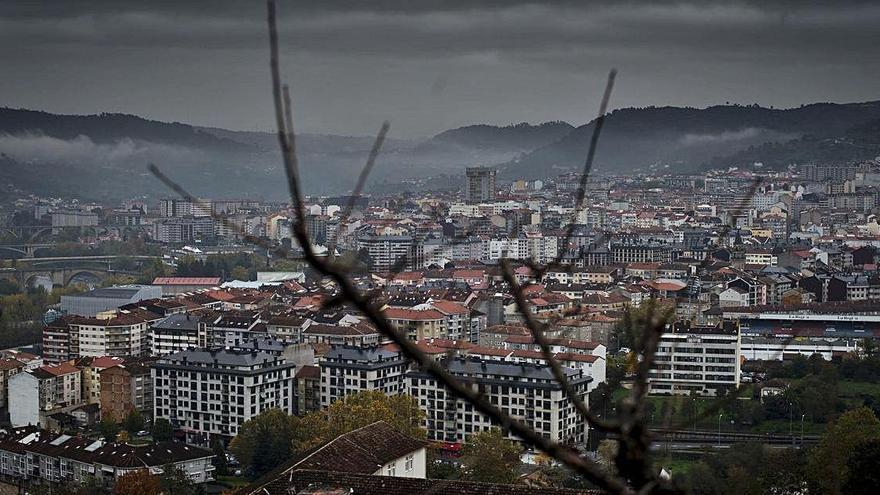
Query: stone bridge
{"x":63,"y":271}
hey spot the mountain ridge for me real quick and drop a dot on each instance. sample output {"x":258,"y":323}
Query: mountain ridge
{"x":109,"y":152}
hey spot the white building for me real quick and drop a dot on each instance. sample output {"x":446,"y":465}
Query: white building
{"x":759,"y":348}
{"x":209,"y":393}
{"x":700,"y":360}
{"x":525,"y":391}
{"x":34,"y":394}
{"x":348,"y":370}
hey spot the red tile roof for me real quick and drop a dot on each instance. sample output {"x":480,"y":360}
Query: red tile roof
{"x":209,"y":281}
{"x":60,"y":369}
{"x":412,"y":314}
{"x":451,"y":308}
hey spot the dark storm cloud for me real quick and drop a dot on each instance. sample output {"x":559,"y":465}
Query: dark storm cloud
{"x":354,"y":63}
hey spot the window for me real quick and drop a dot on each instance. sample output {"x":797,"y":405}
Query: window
{"x":409,"y":462}
{"x":391,"y":468}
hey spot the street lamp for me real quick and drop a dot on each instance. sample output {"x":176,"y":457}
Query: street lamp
{"x":802,"y":429}
{"x":719,"y":428}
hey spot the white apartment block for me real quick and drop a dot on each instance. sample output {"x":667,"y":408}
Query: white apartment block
{"x":701,"y":360}
{"x":119,"y":336}
{"x":209,"y":393}
{"x":348,"y":370}
{"x":527,"y":392}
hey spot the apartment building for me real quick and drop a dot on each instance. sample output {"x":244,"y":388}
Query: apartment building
{"x":308,"y":390}
{"x":8,"y":368}
{"x":32,"y":454}
{"x":527,"y":392}
{"x":700,"y":360}
{"x":71,"y":337}
{"x":176,"y":333}
{"x":36,"y":394}
{"x":359,"y":334}
{"x":126,"y":387}
{"x":122,"y":335}
{"x":418,"y":324}
{"x":210,"y":393}
{"x":392,"y":252}
{"x":348,"y":370}
{"x":232,"y":328}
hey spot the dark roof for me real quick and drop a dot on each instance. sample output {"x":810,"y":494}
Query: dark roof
{"x":364,"y":450}
{"x":31,"y":439}
{"x":180,"y":321}
{"x":311,"y":482}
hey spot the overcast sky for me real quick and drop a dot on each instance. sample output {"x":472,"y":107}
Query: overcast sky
{"x":429,"y":66}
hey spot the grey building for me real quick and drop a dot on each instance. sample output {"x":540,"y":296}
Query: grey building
{"x":480,"y":184}
{"x":107,"y":298}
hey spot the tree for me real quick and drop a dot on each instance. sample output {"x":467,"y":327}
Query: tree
{"x":440,"y":468}
{"x":175,"y":481}
{"x":162,"y":430}
{"x":89,"y":486}
{"x":109,"y":429}
{"x":828,"y":466}
{"x":264,"y":442}
{"x":134,"y":422}
{"x":358,"y":410}
{"x":491,"y":458}
{"x":220,"y":464}
{"x":700,"y":480}
{"x":139,"y":482}
{"x":240,"y":273}
{"x":864,"y":469}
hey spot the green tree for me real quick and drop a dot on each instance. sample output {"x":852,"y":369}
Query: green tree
{"x":828,"y":465}
{"x":264,"y":442}
{"x":440,"y":468}
{"x":864,"y":469}
{"x":700,"y":480}
{"x":357,"y":410}
{"x":134,"y":422}
{"x":491,"y":458}
{"x":175,"y":481}
{"x":109,"y":429}
{"x":240,"y":273}
{"x":220,"y":464}
{"x":162,"y":430}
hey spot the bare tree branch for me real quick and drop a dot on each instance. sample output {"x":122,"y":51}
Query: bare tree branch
{"x":359,"y":186}
{"x":537,"y":330}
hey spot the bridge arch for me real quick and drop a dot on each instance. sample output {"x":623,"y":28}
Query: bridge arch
{"x":13,"y":249}
{"x":39,"y":279}
{"x":86,"y":277}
